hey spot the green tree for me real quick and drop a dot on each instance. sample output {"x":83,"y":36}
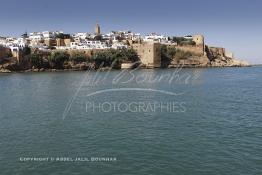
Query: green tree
{"x":165,"y":59}
{"x":98,"y":38}
{"x":78,"y":57}
{"x":131,"y":55}
{"x":180,"y":54}
{"x":27,"y":50}
{"x":105,"y":58}
{"x":36,"y":60}
{"x":171,"y":51}
{"x":8,"y":55}
{"x":114,"y":57}
{"x":58,"y":58}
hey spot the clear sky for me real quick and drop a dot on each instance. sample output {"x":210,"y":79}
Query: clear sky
{"x":235,"y":25}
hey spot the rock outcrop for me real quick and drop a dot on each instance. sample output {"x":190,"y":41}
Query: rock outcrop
{"x":4,"y":70}
{"x":212,"y":57}
{"x":218,"y":58}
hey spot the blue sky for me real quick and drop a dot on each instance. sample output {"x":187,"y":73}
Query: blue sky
{"x":235,"y":25}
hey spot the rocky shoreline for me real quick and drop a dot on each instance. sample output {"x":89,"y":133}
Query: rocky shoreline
{"x":192,"y":61}
{"x":36,"y":70}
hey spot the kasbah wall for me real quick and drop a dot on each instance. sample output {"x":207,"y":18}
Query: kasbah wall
{"x":202,"y":49}
{"x":87,"y":52}
{"x":149,"y":53}
{"x":198,"y":49}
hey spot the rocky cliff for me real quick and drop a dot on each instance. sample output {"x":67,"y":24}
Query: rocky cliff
{"x":211,"y":57}
{"x":218,"y":58}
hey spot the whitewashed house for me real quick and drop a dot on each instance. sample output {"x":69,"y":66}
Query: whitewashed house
{"x":156,"y":37}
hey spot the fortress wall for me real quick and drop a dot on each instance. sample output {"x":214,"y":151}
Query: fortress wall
{"x":149,"y":53}
{"x":196,"y":50}
{"x":217,"y":51}
{"x":87,"y":52}
{"x":199,"y":40}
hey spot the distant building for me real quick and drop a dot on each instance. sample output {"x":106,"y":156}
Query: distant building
{"x":115,"y":36}
{"x":119,"y":46}
{"x":88,"y":44}
{"x":16,"y":53}
{"x":156,"y":37}
{"x":36,"y":36}
{"x":79,"y":36}
{"x":97,"y":29}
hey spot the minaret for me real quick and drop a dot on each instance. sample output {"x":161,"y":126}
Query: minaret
{"x":97,"y":29}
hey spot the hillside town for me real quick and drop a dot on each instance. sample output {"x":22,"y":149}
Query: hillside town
{"x":189,"y":50}
{"x":49,"y":40}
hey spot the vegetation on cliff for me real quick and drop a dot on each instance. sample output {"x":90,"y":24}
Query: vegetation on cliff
{"x":57,"y":59}
{"x":169,"y":54}
{"x":183,"y":41}
{"x":35,"y":59}
{"x":106,"y":58}
{"x":78,"y":57}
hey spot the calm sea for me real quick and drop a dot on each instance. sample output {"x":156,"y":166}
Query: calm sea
{"x":152,"y":122}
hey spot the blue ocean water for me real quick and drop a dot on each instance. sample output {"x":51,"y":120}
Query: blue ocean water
{"x":216,"y":127}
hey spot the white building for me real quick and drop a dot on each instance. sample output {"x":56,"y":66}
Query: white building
{"x":14,"y":43}
{"x":21,"y":42}
{"x":87,"y":44}
{"x":155,"y":37}
{"x":81,"y":36}
{"x":119,"y":46}
{"x":36,"y":36}
{"x":2,"y":41}
{"x":47,"y":34}
{"x":14,"y":48}
{"x":126,"y":35}
{"x":132,"y":36}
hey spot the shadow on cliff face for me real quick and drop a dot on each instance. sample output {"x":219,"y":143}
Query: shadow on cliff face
{"x":12,"y":64}
{"x":165,"y":61}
